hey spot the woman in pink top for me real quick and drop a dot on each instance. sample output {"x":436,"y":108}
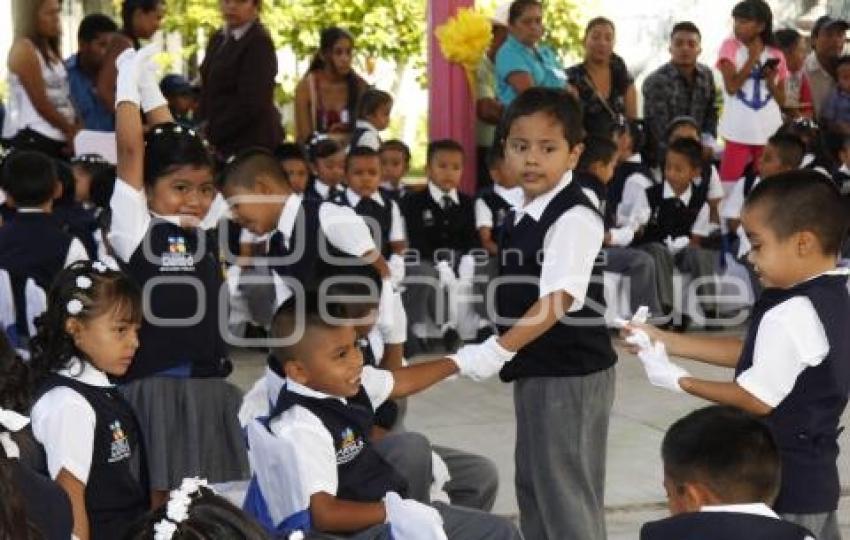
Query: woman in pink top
{"x":754,"y":74}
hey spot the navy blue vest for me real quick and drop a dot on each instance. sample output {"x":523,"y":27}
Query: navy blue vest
{"x":374,"y":214}
{"x":312,"y":194}
{"x":79,"y":223}
{"x":34,"y":245}
{"x":431,"y":228}
{"x":618,"y":184}
{"x":590,"y":181}
{"x":577,"y":345}
{"x":670,"y":216}
{"x":362,"y":473}
{"x":499,"y":207}
{"x":805,"y":424}
{"x":722,"y":525}
{"x":198,"y":346}
{"x":117,"y":489}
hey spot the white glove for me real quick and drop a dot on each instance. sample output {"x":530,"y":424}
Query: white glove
{"x":392,"y":319}
{"x":412,"y":520}
{"x":397,"y":269}
{"x":675,"y":245}
{"x":640,"y":316}
{"x":466,"y":268}
{"x":150,"y":93}
{"x":446,"y":275}
{"x":127,"y":85}
{"x":622,"y":236}
{"x":639,"y":218}
{"x":479,"y":362}
{"x":659,"y":369}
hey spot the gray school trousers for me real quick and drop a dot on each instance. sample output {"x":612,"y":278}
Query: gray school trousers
{"x":639,"y":267}
{"x":695,"y":261}
{"x":823,"y":526}
{"x":561,"y":445}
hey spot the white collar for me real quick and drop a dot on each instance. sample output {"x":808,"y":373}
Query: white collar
{"x":668,"y":193}
{"x":437,"y":194}
{"x":535,"y":207}
{"x":274,"y":384}
{"x":594,"y":198}
{"x":354,"y":199}
{"x":512,"y":196}
{"x":288,"y":215}
{"x":305,"y":391}
{"x":31,"y":211}
{"x":756,"y":509}
{"x":322,"y":188}
{"x":391,"y":187}
{"x":845,"y":169}
{"x":833,"y":272}
{"x":634,"y":158}
{"x":807,"y":160}
{"x":85,"y":373}
{"x":365,"y":124}
{"x":240,"y":31}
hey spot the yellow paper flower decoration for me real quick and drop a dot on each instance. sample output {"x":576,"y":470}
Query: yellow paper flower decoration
{"x":464,"y":40}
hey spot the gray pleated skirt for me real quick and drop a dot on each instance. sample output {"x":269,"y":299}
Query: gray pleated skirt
{"x":190,"y":428}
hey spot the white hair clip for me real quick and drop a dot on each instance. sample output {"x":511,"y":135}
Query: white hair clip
{"x":75,"y":307}
{"x":164,"y":530}
{"x":83,"y":282}
{"x":177,"y":508}
{"x":100,"y":267}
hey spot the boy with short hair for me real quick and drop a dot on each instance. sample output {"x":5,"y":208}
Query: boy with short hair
{"x":721,"y":473}
{"x":294,"y":163}
{"x":373,"y":116}
{"x":395,"y":164}
{"x":493,"y":203}
{"x":314,"y":466}
{"x":792,"y":367}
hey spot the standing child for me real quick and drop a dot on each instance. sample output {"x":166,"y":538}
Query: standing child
{"x":792,"y":366}
{"x":327,"y":163}
{"x":294,"y":164}
{"x":176,"y":384}
{"x":373,"y":116}
{"x":395,"y":164}
{"x":754,"y":74}
{"x":798,"y":91}
{"x":90,"y":435}
{"x":721,"y":474}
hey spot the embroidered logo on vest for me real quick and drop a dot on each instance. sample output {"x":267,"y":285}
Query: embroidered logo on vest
{"x":427,"y":218}
{"x":350,"y":447}
{"x":501,"y":214}
{"x":120,"y":448}
{"x":177,"y":257}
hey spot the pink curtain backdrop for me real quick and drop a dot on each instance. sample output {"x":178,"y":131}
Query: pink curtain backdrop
{"x":451,"y":111}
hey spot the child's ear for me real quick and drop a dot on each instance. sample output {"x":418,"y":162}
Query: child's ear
{"x":58,"y":190}
{"x":575,"y":154}
{"x":694,"y":495}
{"x":295,"y":370}
{"x":807,"y":243}
{"x":73,"y":327}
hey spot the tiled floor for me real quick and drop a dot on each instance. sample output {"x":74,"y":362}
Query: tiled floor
{"x":479,"y":417}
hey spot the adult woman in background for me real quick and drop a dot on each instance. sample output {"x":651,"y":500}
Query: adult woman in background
{"x":40,"y":116}
{"x":602,"y":81}
{"x":326,"y":98}
{"x":237,"y":83}
{"x":140,"y":19}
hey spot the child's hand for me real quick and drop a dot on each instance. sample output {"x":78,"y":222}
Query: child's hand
{"x":397,"y":269}
{"x":151,"y":96}
{"x":632,"y":327}
{"x":392,"y":319}
{"x":446,"y":275}
{"x":479,"y":362}
{"x":621,"y":236}
{"x":412,"y":520}
{"x":659,"y":369}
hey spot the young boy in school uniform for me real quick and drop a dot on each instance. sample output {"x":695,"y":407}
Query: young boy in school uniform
{"x":441,"y":232}
{"x":315,"y":467}
{"x":32,"y":243}
{"x":373,"y":116}
{"x":721,"y":473}
{"x":594,"y":172}
{"x":793,"y":366}
{"x":631,"y":176}
{"x":395,"y":164}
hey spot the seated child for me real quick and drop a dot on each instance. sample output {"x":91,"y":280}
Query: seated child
{"x":721,"y":473}
{"x":327,"y":163}
{"x":798,"y":90}
{"x":631,"y":176}
{"x":791,"y":367}
{"x":594,"y":172}
{"x":315,"y":468}
{"x":295,"y":165}
{"x":395,"y":164}
{"x":74,"y":217}
{"x":85,"y":169}
{"x":441,"y":231}
{"x":494,"y":203}
{"x":817,"y":157}
{"x":836,"y":111}
{"x":182,"y":98}
{"x":373,"y":116}
{"x":91,"y":437}
{"x":708,"y":178}
{"x":32,"y":243}
{"x":677,"y":221}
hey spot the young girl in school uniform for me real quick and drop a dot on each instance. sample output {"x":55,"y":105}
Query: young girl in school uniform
{"x":176,"y":384}
{"x":91,"y":437}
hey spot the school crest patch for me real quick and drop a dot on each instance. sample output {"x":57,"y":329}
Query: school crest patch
{"x":350,"y":447}
{"x":119,"y":449}
{"x":177,"y":256}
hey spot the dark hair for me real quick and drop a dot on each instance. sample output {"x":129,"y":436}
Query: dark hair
{"x":211,"y":517}
{"x":690,"y":149}
{"x":65,"y":176}
{"x":29,"y":178}
{"x":685,"y":26}
{"x":442,"y":145}
{"x":398,"y":146}
{"x":327,"y":39}
{"x":678,"y":122}
{"x":102,"y":175}
{"x":636,"y":130}
{"x":244,"y":168}
{"x":294,"y":316}
{"x":786,"y":38}
{"x":843,"y":59}
{"x":759,"y":11}
{"x":495,"y":155}
{"x":803,"y":200}
{"x":789,"y":147}
{"x":559,"y":104}
{"x":52,"y":347}
{"x":813,"y":138}
{"x":128,"y":9}
{"x":518,"y":7}
{"x":321,"y":146}
{"x":170,"y":146}
{"x":597,"y":149}
{"x":287,"y":151}
{"x":14,"y":378}
{"x":598,"y":21}
{"x":359,"y":152}
{"x":93,"y":26}
{"x":725,"y":449}
{"x":372,"y":100}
